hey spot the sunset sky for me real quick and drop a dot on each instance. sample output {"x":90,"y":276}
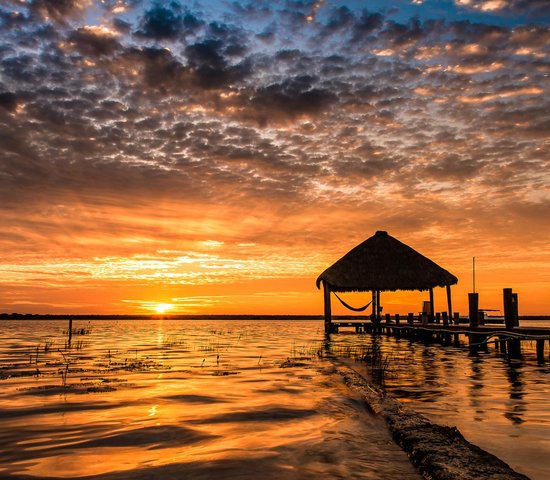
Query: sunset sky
{"x":217,"y":156}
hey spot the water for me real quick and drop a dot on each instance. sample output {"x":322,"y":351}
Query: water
{"x":232,"y":399}
{"x":499,"y":404}
{"x":182,"y":399}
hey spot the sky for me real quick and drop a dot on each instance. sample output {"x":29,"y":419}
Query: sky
{"x":216,"y":156}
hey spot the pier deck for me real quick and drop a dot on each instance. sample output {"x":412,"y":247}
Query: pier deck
{"x":507,"y":340}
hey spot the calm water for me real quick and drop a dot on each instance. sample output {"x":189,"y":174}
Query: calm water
{"x":232,"y":399}
{"x":499,"y":404}
{"x":181,"y":399}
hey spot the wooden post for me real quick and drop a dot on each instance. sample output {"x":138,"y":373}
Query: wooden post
{"x":438,"y":317}
{"x":514,"y":348}
{"x":449,"y":302}
{"x":481,"y":317}
{"x":502,"y":342}
{"x":445,"y":318}
{"x":509,"y":311}
{"x":431,"y":314}
{"x":397,"y":319}
{"x":473,"y":308}
{"x":456,"y":318}
{"x":328,"y":315}
{"x":388,"y":318}
{"x":516,"y":309}
{"x":378,"y":308}
{"x":374,"y":306}
{"x":410,"y":318}
{"x":540,"y":351}
{"x":70,"y":330}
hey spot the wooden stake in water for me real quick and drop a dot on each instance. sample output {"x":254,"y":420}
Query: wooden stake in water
{"x":70,"y":330}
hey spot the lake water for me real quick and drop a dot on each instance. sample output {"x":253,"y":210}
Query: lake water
{"x":181,"y":399}
{"x":238,"y":399}
{"x":499,"y":404}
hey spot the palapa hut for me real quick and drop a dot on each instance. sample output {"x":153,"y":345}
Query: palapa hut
{"x":383,"y":263}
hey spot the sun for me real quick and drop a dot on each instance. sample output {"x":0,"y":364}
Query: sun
{"x":163,"y":307}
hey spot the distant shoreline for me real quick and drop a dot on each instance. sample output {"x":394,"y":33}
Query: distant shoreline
{"x":33,"y":316}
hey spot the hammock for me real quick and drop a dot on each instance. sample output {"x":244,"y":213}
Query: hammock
{"x":360,"y":309}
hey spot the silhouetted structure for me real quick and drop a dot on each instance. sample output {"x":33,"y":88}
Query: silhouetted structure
{"x":383,"y":263}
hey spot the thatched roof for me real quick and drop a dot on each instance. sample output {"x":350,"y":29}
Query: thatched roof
{"x":384,"y":263}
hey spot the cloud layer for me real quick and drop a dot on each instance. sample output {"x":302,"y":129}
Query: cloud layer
{"x":129,"y":128}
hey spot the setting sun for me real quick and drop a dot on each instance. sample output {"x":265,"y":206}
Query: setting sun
{"x":163,"y":307}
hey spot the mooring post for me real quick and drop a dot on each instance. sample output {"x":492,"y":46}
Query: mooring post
{"x":438,"y":317}
{"x":445,"y":318}
{"x":473,"y":308}
{"x":328,"y":315}
{"x":397,"y":319}
{"x":509,"y":310}
{"x":410,"y":318}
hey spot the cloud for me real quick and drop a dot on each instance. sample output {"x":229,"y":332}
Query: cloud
{"x":294,"y":97}
{"x":158,"y":125}
{"x":209,"y":66}
{"x":162,"y":22}
{"x":58,"y":10}
{"x":95,"y":41}
{"x":8,"y":101}
{"x":530,"y":8}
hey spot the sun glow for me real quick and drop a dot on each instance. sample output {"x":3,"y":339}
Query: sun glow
{"x":163,"y":307}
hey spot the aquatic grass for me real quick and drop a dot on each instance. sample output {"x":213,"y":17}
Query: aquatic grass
{"x":380,"y":365}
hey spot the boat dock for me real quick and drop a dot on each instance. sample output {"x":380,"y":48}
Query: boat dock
{"x":507,"y":341}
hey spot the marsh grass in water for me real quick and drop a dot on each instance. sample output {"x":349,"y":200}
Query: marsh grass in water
{"x":380,"y":365}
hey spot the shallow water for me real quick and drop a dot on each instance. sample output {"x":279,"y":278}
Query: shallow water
{"x":182,"y":399}
{"x":499,"y":404}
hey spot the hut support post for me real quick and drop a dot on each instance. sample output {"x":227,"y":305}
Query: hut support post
{"x":431,"y":315}
{"x":449,"y":302}
{"x":516,"y":309}
{"x":328,"y":315}
{"x":378,"y":307}
{"x":374,"y":315}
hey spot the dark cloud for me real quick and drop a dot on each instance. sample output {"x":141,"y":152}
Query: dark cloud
{"x":10,"y":19}
{"x":57,"y":10}
{"x":162,"y":21}
{"x":290,"y":99}
{"x":8,"y":101}
{"x":209,"y":66}
{"x":339,"y":19}
{"x":366,"y":24}
{"x":94,"y":42}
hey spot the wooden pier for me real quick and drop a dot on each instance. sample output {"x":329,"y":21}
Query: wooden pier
{"x":506,"y":340}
